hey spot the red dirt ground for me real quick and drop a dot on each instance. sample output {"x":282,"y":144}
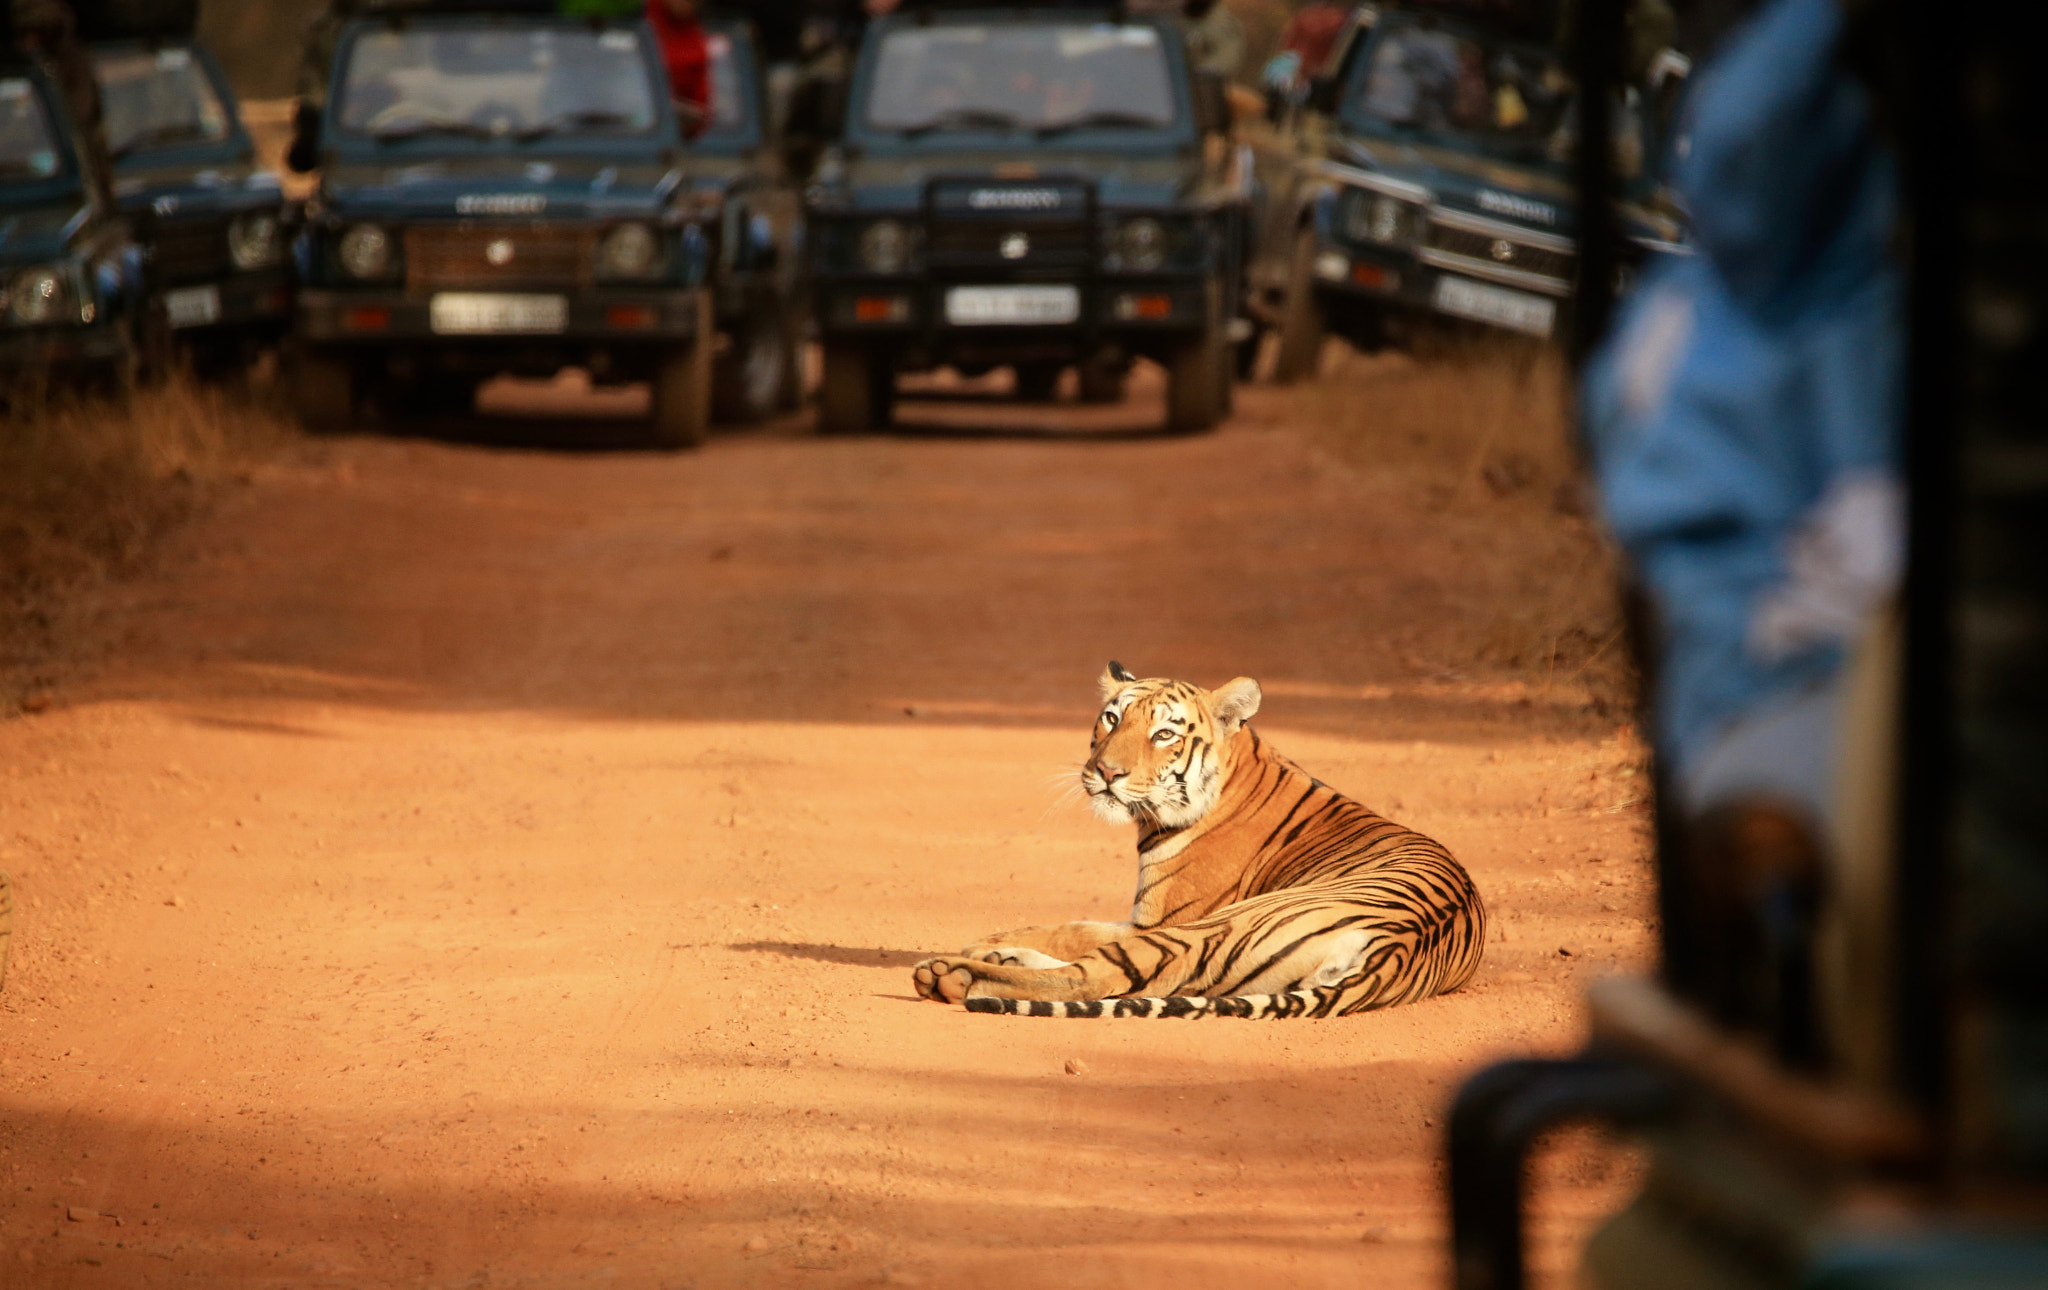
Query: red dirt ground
{"x":500,"y":864}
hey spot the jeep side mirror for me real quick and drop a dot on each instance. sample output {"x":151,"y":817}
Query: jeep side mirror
{"x":304,"y":153}
{"x":1211,"y":103}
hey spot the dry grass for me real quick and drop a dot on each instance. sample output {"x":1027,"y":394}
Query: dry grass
{"x":1479,"y":432}
{"x":89,"y":487}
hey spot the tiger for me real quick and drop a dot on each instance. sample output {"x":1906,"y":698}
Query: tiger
{"x":1262,"y":892}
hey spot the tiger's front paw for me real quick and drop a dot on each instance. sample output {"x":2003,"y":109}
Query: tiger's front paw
{"x":942,"y":980}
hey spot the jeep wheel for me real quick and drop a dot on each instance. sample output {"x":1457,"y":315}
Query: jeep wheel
{"x":1302,"y":325}
{"x":796,"y":343}
{"x":441,"y":394}
{"x":1102,"y":381}
{"x":856,"y":393}
{"x":1038,"y":382}
{"x":324,"y":390}
{"x":679,"y":403}
{"x":1198,"y":383}
{"x":753,"y":373}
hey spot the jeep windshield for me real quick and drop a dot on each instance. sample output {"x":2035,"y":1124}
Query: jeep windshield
{"x":1031,"y":79}
{"x":155,"y":99}
{"x":28,"y":144}
{"x":1509,"y":99}
{"x":503,"y":79}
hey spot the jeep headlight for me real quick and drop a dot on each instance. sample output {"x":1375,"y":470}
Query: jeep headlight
{"x":1138,"y":244}
{"x":38,"y":295}
{"x":366,"y":251}
{"x":1381,"y":218}
{"x":629,"y":251}
{"x":885,"y":247}
{"x":255,"y":240}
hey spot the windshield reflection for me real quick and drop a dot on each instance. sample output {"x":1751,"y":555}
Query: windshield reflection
{"x":1003,"y":77}
{"x":157,"y":99}
{"x":485,"y":82}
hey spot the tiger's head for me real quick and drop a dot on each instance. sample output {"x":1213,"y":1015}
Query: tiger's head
{"x":1162,"y":749}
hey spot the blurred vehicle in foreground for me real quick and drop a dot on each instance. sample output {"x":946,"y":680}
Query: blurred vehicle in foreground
{"x":213,"y":225}
{"x":71,"y":292}
{"x":502,"y":190}
{"x":1429,"y":177}
{"x":1041,"y":188}
{"x":1818,"y":442}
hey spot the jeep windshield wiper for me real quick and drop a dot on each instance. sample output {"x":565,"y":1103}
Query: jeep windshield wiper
{"x":571,"y":122}
{"x":157,"y":136}
{"x":414,"y":129}
{"x":964,"y":119}
{"x":1108,"y":119}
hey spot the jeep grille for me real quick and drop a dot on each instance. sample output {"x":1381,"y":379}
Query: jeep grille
{"x":1488,"y":249}
{"x":188,"y":250}
{"x":485,"y":257}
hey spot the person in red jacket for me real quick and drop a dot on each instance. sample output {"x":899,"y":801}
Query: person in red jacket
{"x":684,"y":51}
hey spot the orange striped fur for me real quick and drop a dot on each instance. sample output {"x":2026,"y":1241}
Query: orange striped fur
{"x":1262,"y":892}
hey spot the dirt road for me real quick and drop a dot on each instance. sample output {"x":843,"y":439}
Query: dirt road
{"x":502,"y":865}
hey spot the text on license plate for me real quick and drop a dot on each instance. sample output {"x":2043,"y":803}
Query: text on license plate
{"x":470,"y":313}
{"x":192,"y":306}
{"x":1515,"y":310}
{"x":1039,"y":306}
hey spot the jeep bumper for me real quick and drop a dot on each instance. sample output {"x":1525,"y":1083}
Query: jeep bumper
{"x":999,"y":321}
{"x":648,"y":316}
{"x":1350,"y":280}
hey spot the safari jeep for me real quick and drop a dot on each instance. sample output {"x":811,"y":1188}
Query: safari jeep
{"x":71,"y":294}
{"x":501,"y":191}
{"x":213,"y":224}
{"x":1037,"y":187}
{"x":1430,"y":179}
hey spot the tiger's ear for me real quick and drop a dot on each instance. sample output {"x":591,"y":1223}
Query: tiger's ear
{"x":1114,"y":678}
{"x":1234,"y":703}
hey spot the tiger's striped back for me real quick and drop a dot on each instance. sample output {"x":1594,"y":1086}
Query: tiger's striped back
{"x":1262,"y":892}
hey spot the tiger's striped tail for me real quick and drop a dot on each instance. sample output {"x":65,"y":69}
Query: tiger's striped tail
{"x":1257,"y":1007}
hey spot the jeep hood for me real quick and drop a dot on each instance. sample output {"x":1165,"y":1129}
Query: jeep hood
{"x":1465,"y":181}
{"x":523,"y":186}
{"x":192,"y":188}
{"x":33,"y":234}
{"x":898,"y":183}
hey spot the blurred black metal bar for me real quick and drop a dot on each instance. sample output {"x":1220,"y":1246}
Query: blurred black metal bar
{"x":1925,"y":111}
{"x":1595,"y":58}
{"x":1499,"y":1115}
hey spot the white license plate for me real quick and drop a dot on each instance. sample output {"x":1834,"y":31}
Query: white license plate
{"x":474,"y":313}
{"x":1012,"y":306}
{"x":193,"y":306}
{"x":1515,"y":310}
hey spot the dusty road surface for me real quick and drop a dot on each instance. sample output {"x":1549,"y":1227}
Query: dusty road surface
{"x":501,"y":864}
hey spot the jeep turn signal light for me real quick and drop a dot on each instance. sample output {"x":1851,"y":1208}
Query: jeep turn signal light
{"x":629,"y":317}
{"x":1375,"y":278}
{"x":881,"y":309}
{"x":366,"y":318}
{"x":1131,"y":305}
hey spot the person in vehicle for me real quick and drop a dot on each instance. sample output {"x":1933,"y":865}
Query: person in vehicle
{"x":1215,"y":37}
{"x":686,"y":54}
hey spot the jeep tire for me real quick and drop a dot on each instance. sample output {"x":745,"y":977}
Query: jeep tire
{"x":679,"y":397}
{"x":325,"y":389}
{"x":856,"y":391}
{"x":1101,"y":380}
{"x":1302,"y":325}
{"x":1038,"y":382}
{"x":1198,"y":383}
